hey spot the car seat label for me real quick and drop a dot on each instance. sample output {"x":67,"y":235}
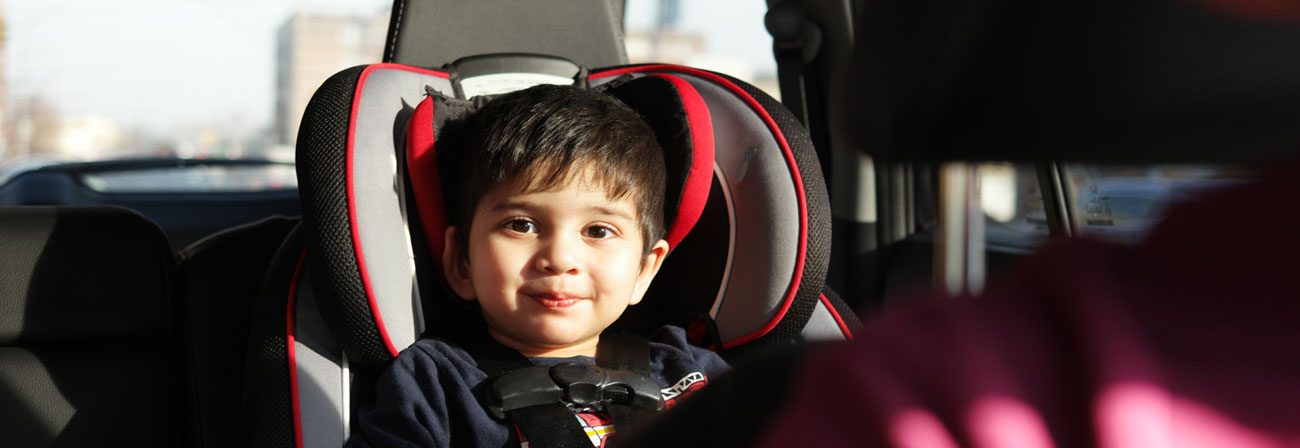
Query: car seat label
{"x":690,"y":383}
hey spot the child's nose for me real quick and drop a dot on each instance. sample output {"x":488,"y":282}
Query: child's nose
{"x":557,"y":256}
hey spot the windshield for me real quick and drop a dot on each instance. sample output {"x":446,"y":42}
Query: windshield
{"x":92,"y":80}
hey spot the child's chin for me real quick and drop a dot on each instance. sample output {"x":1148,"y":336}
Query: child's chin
{"x":560,"y":339}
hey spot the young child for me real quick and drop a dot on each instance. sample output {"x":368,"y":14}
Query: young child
{"x":557,"y":221}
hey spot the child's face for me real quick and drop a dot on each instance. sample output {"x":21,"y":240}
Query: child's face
{"x":552,"y":269}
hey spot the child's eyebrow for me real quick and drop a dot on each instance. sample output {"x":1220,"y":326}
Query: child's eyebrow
{"x":513,"y":205}
{"x":530,"y":207}
{"x":609,"y":211}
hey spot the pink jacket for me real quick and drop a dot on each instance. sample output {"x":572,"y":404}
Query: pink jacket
{"x":1189,"y":339}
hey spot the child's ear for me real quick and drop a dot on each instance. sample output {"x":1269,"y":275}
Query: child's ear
{"x":653,"y":261}
{"x":454,"y":267}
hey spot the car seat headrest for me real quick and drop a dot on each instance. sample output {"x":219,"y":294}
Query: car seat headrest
{"x":756,"y":261}
{"x":747,"y":211}
{"x":351,"y":184}
{"x":1118,"y":81}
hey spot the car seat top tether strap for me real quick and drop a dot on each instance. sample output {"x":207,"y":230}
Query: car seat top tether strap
{"x":541,"y":400}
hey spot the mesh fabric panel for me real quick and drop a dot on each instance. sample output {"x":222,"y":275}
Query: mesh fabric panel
{"x":847,"y":314}
{"x":268,"y":399}
{"x":322,"y":174}
{"x":221,"y":276}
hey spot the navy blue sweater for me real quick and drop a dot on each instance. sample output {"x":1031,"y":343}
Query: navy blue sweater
{"x":430,"y":395}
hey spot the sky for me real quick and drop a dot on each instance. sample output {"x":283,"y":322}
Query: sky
{"x":155,"y":64}
{"x":151,"y":62}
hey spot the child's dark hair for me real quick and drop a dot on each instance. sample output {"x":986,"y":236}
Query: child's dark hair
{"x":539,"y":138}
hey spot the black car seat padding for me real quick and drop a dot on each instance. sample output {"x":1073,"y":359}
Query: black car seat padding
{"x":219,"y":278}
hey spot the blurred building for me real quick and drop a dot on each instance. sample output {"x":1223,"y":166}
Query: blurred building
{"x":670,"y":46}
{"x":40,"y":130}
{"x":311,"y":47}
{"x":87,"y":137}
{"x":5,"y":127}
{"x":667,"y":41}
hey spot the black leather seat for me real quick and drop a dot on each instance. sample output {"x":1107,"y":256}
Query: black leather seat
{"x":88,"y":353}
{"x":219,"y":278}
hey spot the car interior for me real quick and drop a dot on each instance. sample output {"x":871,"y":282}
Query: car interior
{"x":212,"y":316}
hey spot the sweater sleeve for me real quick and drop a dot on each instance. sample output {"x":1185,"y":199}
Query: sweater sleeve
{"x":669,"y":345}
{"x":409,"y":410}
{"x":680,"y":367}
{"x":428,"y":397}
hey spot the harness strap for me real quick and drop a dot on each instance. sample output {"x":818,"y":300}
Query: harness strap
{"x":543,"y":426}
{"x":625,"y":351}
{"x":550,"y":426}
{"x":553,"y":424}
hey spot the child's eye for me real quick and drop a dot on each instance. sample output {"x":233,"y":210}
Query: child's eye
{"x":522,"y":226}
{"x":599,"y":232}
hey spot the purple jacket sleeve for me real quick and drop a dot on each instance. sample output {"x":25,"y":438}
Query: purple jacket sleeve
{"x":1189,"y":338}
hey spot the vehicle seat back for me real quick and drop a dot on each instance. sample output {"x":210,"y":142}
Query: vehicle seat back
{"x":88,"y":354}
{"x":299,"y":380}
{"x":220,"y":277}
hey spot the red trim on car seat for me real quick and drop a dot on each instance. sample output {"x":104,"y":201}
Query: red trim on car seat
{"x":794,"y":172}
{"x":289,"y":342}
{"x":422,"y":166}
{"x":352,"y":205}
{"x":695,"y":192}
{"x":838,"y":319}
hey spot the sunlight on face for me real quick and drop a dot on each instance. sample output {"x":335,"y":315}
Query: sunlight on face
{"x":552,"y":269}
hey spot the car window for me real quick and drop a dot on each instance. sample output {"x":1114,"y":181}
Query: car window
{"x":194,"y":179}
{"x":1012,"y":199}
{"x":691,"y":33}
{"x":229,"y":80}
{"x":1112,"y":202}
{"x":89,"y":80}
{"x":1121,"y":203}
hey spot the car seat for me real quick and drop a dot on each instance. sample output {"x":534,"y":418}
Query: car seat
{"x":763,"y":226}
{"x":219,"y":278}
{"x":88,"y":349}
{"x":352,"y":286}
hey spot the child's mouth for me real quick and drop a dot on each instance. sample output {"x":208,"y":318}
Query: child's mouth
{"x":555,"y":300}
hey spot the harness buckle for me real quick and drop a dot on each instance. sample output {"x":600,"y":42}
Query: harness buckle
{"x":575,"y":384}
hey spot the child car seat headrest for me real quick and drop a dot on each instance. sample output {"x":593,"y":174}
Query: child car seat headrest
{"x":754,"y":261}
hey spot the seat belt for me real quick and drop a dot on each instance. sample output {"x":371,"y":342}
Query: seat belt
{"x":544,"y":425}
{"x":533,"y":398}
{"x":625,"y":352}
